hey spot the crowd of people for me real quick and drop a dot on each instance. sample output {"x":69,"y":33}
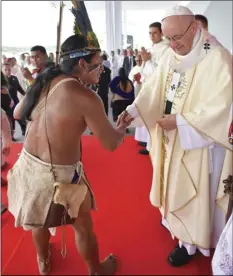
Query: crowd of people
{"x":162,"y":91}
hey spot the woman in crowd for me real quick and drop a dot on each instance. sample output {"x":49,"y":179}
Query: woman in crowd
{"x":122,"y":89}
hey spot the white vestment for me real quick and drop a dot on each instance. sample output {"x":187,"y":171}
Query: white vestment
{"x":141,"y":133}
{"x":137,"y":86}
{"x":157,"y":50}
{"x":222,"y":263}
{"x":191,"y":139}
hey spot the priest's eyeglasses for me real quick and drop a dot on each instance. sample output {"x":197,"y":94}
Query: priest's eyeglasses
{"x":179,"y":37}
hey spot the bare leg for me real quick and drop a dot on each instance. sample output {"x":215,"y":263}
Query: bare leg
{"x":41,"y":238}
{"x":87,"y":244}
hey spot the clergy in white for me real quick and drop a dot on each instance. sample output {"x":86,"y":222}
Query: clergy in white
{"x":185,"y":106}
{"x":135,"y":75}
{"x":114,"y":65}
{"x":151,"y":58}
{"x":222,"y":263}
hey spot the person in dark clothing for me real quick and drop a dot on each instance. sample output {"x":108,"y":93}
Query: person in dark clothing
{"x":103,"y":87}
{"x":129,"y":62}
{"x":14,"y":87}
{"x":13,"y":83}
{"x":6,"y":101}
{"x":122,"y":89}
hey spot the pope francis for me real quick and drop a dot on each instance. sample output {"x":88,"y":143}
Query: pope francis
{"x":185,"y":106}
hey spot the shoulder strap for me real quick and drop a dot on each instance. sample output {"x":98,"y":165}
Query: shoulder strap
{"x":50,"y":93}
{"x":41,"y":104}
{"x":46,"y":130}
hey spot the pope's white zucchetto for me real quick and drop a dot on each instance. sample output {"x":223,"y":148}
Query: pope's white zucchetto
{"x":177,"y":10}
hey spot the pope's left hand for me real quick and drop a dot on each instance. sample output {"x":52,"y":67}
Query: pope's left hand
{"x":168,"y":122}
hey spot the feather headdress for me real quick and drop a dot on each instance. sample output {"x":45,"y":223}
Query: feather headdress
{"x":82,"y":24}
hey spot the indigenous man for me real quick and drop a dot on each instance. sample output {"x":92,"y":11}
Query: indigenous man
{"x":60,"y":108}
{"x":150,"y":62}
{"x":185,"y":108}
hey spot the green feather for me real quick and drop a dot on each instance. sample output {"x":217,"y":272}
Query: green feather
{"x":82,"y":22}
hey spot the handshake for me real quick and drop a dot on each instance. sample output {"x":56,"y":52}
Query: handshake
{"x":124,"y":120}
{"x":167,"y":122}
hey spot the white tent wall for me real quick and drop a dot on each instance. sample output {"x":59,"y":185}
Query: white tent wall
{"x":219,"y":14}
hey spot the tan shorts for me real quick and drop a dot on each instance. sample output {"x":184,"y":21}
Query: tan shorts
{"x":30,"y":189}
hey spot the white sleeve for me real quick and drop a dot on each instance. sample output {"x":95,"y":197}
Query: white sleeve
{"x":132,"y":110}
{"x":131,"y":76}
{"x":149,"y":68}
{"x":189,"y":137}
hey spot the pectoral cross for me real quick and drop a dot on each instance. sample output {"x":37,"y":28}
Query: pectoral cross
{"x":207,"y":46}
{"x":173,"y":87}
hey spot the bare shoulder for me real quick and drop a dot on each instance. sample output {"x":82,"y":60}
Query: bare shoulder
{"x":73,"y":94}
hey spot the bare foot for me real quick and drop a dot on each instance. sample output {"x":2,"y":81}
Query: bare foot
{"x":44,"y":265}
{"x":108,"y":266}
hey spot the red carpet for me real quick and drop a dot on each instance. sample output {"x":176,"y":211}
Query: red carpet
{"x":125,"y":223}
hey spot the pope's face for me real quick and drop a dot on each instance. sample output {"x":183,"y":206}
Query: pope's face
{"x":180,"y":31}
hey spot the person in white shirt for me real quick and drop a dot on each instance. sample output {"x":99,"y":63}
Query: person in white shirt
{"x":121,"y":57}
{"x":114,"y":65}
{"x":17,"y":72}
{"x":150,"y":60}
{"x":106,"y":62}
{"x":135,"y":75}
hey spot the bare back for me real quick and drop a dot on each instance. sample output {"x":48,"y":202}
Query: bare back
{"x":71,"y":108}
{"x":65,"y":126}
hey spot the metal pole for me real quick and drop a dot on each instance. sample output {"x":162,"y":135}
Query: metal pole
{"x":59,"y":28}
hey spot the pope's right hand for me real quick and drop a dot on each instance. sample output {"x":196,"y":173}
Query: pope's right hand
{"x":145,"y":55}
{"x":124,"y":118}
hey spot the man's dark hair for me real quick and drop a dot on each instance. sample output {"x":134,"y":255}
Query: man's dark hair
{"x":67,"y":67}
{"x":156,"y":25}
{"x":203,"y":19}
{"x":123,"y":77}
{"x":104,"y":57}
{"x":39,"y":49}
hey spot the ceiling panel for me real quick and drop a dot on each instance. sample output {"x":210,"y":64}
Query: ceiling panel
{"x":195,"y":6}
{"x":148,"y":5}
